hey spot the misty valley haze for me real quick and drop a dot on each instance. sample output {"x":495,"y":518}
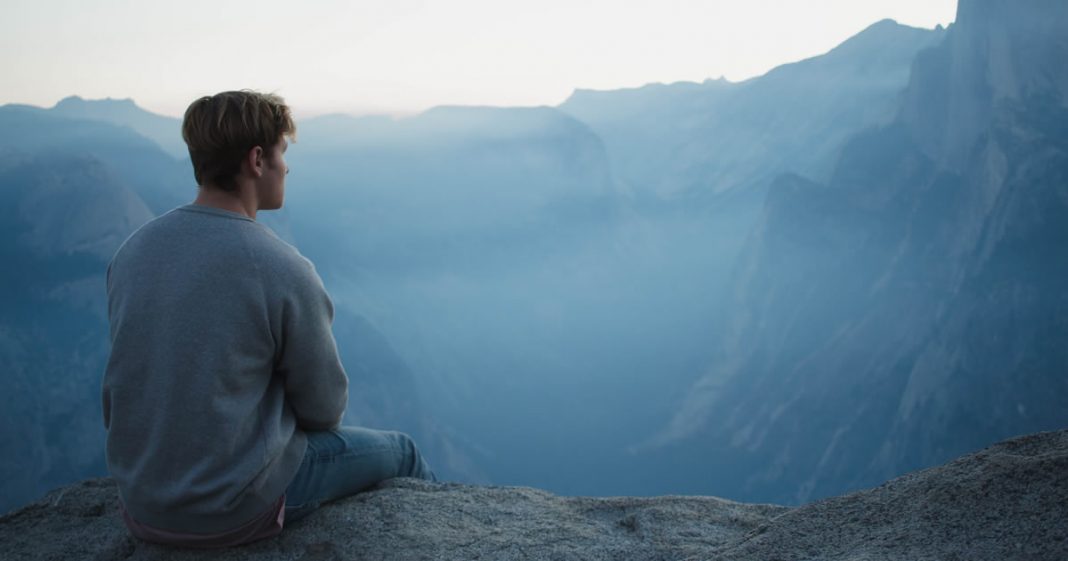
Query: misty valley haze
{"x":774,"y":290}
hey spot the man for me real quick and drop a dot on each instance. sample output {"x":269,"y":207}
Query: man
{"x":224,"y":392}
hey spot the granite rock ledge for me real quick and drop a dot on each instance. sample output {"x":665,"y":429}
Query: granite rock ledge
{"x":1009,"y":501}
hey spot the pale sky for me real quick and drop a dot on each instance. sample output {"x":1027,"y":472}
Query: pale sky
{"x":403,"y":56}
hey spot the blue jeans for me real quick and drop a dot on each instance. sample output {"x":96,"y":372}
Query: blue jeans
{"x":347,"y":460}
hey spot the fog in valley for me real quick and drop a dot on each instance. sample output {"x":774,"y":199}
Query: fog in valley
{"x":773,"y":290}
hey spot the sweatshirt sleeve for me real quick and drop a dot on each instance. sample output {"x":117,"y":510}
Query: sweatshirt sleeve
{"x":315,"y":381}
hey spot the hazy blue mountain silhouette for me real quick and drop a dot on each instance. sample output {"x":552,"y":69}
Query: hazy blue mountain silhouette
{"x":507,"y":255}
{"x":165,"y":131}
{"x":160,"y":180}
{"x":452,"y":186}
{"x":913,"y":307}
{"x":453,"y":231}
{"x":61,"y":218}
{"x":695,"y":161}
{"x":689,"y":141}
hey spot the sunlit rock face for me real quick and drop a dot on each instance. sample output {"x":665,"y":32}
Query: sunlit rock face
{"x":912,"y":308}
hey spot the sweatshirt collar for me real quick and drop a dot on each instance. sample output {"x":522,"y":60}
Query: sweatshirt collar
{"x":192,"y":207}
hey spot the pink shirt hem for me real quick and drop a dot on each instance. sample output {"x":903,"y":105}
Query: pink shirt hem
{"x":266,"y":525}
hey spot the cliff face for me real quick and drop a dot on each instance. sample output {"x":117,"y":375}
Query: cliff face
{"x":912,"y":308}
{"x":993,"y":363}
{"x":1007,"y":502}
{"x":999,"y":53}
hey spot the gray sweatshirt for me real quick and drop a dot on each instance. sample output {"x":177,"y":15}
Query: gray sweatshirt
{"x":221,"y":355}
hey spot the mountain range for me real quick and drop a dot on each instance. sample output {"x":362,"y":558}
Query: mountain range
{"x":775,"y":290}
{"x":912,"y":307}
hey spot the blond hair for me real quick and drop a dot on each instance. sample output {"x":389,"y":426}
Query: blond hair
{"x":220,"y":130}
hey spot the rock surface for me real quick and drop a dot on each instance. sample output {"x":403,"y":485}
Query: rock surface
{"x":1009,"y":501}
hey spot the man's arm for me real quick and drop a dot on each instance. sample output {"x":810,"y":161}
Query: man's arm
{"x":315,"y":381}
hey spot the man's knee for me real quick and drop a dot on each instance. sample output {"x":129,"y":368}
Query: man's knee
{"x":404,"y":441}
{"x":415,"y":464}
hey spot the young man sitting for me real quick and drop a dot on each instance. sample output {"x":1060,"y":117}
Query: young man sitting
{"x":224,"y":393}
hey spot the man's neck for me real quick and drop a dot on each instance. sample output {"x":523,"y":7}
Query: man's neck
{"x":217,"y":198}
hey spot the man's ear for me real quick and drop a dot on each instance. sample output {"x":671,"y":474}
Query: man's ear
{"x":254,"y":161}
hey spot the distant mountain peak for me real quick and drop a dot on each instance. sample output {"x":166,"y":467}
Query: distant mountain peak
{"x":164,"y":131}
{"x":75,"y":101}
{"x":880,"y":35}
{"x":107,"y":109}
